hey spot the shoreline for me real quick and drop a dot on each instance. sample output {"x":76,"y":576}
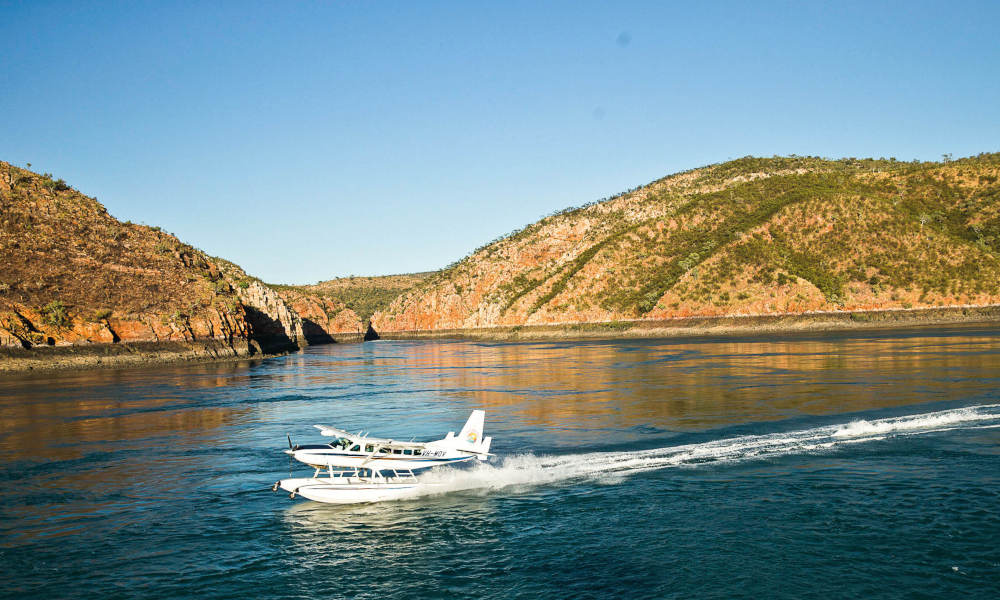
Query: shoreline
{"x":41,"y":360}
{"x":19,"y":361}
{"x":123,"y":355}
{"x":732,"y":325}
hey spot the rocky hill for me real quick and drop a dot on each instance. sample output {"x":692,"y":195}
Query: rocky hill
{"x":362,"y":295}
{"x":754,"y":236}
{"x":74,"y":275}
{"x":747,"y":238}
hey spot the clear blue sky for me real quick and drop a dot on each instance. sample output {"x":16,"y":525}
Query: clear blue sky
{"x":306,"y":140}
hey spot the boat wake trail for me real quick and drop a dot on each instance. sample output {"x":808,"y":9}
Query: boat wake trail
{"x":530,"y":470}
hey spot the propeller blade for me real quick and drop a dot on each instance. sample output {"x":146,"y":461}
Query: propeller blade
{"x":289,"y":441}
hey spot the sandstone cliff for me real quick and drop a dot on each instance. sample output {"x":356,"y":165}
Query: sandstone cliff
{"x":748,"y":237}
{"x":324,"y":319}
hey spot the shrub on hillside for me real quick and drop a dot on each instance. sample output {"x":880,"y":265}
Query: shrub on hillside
{"x":55,"y":314}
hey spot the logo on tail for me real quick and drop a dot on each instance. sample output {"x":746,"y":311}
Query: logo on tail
{"x":472,"y":433}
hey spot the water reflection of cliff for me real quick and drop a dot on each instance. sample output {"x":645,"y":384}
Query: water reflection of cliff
{"x":697,"y":384}
{"x":573,"y":386}
{"x":65,"y":415}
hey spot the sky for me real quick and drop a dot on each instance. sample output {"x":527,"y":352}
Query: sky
{"x":309,"y":140}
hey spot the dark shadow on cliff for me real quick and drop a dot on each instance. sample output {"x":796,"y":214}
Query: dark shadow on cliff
{"x":315,"y":334}
{"x":268,"y":333}
{"x":371,"y":334}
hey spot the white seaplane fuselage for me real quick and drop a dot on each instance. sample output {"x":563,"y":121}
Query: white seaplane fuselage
{"x":359,"y":468}
{"x":377,"y":454}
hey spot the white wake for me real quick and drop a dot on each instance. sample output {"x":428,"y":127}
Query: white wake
{"x":529,"y":469}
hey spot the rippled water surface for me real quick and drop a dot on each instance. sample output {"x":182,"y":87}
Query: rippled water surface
{"x":861,"y":465}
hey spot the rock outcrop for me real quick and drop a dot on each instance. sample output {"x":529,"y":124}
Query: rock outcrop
{"x":273,"y":323}
{"x":324,"y":319}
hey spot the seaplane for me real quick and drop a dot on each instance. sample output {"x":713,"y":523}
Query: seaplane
{"x":356,"y":467}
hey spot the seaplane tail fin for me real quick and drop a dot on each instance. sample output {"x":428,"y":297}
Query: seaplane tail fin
{"x":472,"y":433}
{"x":470,"y":440}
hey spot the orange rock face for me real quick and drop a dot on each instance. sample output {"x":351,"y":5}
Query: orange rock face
{"x":23,"y":326}
{"x":323,"y":318}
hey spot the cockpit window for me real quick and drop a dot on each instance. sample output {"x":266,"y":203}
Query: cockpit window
{"x":369,"y":448}
{"x":355,"y":447}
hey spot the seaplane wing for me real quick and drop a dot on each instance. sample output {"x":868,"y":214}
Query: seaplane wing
{"x":334,"y":432}
{"x":328,"y":431}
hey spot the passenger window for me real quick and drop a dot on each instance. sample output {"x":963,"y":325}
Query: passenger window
{"x":397,"y":451}
{"x":355,"y":447}
{"x":369,"y":448}
{"x":408,"y":452}
{"x":385,"y":450}
{"x":418,"y":452}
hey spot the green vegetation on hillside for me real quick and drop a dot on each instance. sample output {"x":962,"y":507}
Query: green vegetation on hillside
{"x":799,"y":231}
{"x":64,"y":256}
{"x":364,"y":295}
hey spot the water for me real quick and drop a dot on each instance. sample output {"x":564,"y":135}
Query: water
{"x":861,"y":465}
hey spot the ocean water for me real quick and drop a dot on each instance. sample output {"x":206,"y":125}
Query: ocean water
{"x":862,"y":465}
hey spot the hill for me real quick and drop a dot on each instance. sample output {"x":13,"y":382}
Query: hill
{"x":363,"y":295}
{"x":74,"y":275}
{"x":754,"y":236}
